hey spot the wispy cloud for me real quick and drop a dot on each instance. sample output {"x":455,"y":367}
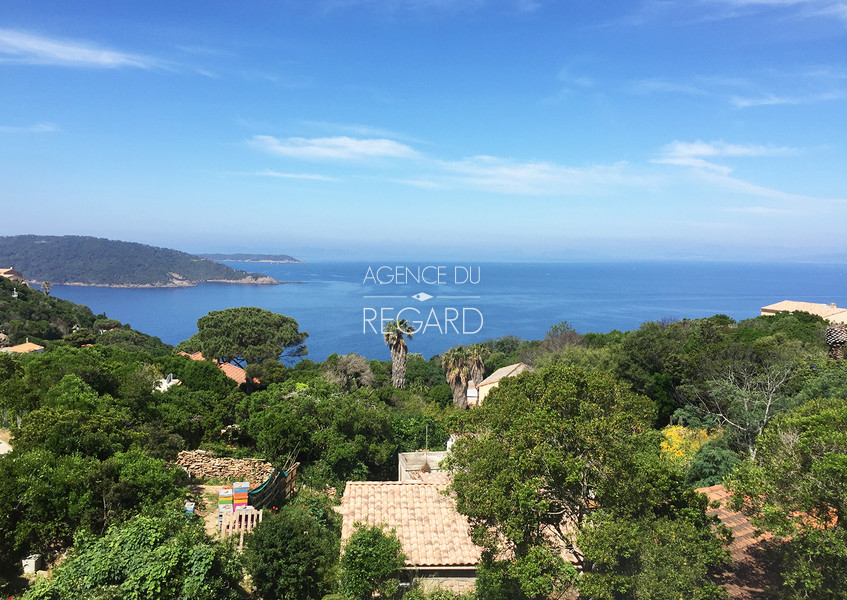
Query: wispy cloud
{"x":359,"y":130}
{"x":37,"y":128}
{"x":694,"y":163}
{"x":772,"y":99}
{"x":309,"y":176}
{"x":658,"y":85}
{"x":394,"y":6}
{"x":333,"y":148}
{"x":506,"y":176}
{"x":677,"y":149}
{"x":762,"y":210}
{"x":20,"y":47}
{"x":694,"y":154}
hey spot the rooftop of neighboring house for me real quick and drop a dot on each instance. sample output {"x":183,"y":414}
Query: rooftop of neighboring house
{"x":434,"y":534}
{"x":507,"y":371}
{"x":749,"y":577}
{"x":232,"y":371}
{"x":423,"y":465}
{"x":826,"y":311}
{"x":24,"y":348}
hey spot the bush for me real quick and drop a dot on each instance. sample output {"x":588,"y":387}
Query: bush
{"x":292,"y":556}
{"x":371,"y":563}
{"x":147,"y":558}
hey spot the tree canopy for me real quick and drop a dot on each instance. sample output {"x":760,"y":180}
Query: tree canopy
{"x":545,"y":458}
{"x":246,"y":335}
{"x":796,"y":487}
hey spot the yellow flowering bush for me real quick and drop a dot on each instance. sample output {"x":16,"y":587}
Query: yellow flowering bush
{"x":681,"y":443}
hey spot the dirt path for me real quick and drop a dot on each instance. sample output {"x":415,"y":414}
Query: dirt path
{"x":208,"y":512}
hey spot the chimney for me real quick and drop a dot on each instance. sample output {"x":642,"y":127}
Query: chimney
{"x":832,"y":304}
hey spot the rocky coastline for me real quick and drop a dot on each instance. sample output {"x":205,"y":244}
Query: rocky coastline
{"x":177,"y":283}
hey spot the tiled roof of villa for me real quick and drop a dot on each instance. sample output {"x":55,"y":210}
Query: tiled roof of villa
{"x":232,"y":371}
{"x":749,"y":577}
{"x":822,"y":310}
{"x":433,"y":532}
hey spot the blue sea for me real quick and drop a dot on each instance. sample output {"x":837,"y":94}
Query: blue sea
{"x":342,"y":304}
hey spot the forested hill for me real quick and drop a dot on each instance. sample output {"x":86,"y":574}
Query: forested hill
{"x":86,"y":260}
{"x":27,"y":314}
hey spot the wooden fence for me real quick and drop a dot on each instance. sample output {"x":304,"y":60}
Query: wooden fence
{"x":240,"y":522}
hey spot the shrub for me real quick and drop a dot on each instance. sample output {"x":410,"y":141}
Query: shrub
{"x":371,"y":563}
{"x":292,"y":556}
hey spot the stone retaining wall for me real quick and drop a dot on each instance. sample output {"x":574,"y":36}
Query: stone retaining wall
{"x":205,"y":465}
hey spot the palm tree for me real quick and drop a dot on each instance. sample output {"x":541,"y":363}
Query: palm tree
{"x":393,"y":334}
{"x":476,"y":362}
{"x":455,"y":364}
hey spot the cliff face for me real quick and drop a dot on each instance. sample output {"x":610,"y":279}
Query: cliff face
{"x":80,"y":260}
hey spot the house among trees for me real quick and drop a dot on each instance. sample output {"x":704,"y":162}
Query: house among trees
{"x":12,"y":274}
{"x":232,"y":371}
{"x":493,"y":380}
{"x":830,"y":312}
{"x":25,"y":348}
{"x":438,"y":548}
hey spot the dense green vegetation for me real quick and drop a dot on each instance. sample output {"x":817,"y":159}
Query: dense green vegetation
{"x":598,"y":450}
{"x":98,"y":261}
{"x":146,"y":558}
{"x":246,"y":335}
{"x":292,"y":555}
{"x":40,"y":318}
{"x":371,"y":564}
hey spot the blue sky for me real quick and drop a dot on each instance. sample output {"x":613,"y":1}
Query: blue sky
{"x":419,"y":129}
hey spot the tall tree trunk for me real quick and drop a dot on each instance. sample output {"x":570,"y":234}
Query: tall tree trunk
{"x":398,"y":367}
{"x":476,"y":372}
{"x":460,"y":394}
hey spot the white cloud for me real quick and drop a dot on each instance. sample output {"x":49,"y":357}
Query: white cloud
{"x":394,"y":6}
{"x":500,"y":175}
{"x":37,"y":128}
{"x":18,"y":47}
{"x":337,"y":148}
{"x":695,"y":163}
{"x":772,"y":99}
{"x":761,"y":210}
{"x":677,"y":149}
{"x":658,"y":85}
{"x":309,"y":176}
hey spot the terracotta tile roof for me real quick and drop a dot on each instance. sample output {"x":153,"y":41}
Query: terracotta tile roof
{"x":24,"y":348}
{"x":433,"y":533}
{"x":749,"y":578}
{"x":441,"y":477}
{"x":232,"y":371}
{"x":822,"y":310}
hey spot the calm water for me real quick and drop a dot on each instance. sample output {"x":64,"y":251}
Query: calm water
{"x":336,"y":302}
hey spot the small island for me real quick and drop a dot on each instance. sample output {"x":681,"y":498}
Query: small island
{"x":91,"y":261}
{"x":254,"y":258}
